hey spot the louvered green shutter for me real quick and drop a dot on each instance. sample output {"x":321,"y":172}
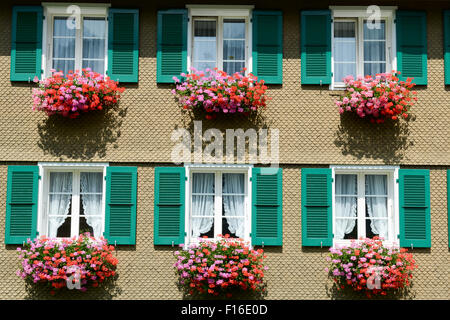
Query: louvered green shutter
{"x":267,"y":206}
{"x":317,"y":228}
{"x":169,"y":205}
{"x":267,"y":46}
{"x":316,"y":46}
{"x":414,"y":194}
{"x":120,"y":214}
{"x":26,"y":43}
{"x":21,"y":204}
{"x":171,"y":53}
{"x":447,"y":46}
{"x":123,"y":45}
{"x":412,"y":45}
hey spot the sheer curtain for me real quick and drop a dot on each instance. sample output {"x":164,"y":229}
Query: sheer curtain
{"x":233,"y":45}
{"x":94,"y":44}
{"x":344,"y":49}
{"x":346,"y":204}
{"x":91,"y":198}
{"x":60,"y":194}
{"x":234,"y":203}
{"x":205,"y":44}
{"x":63,"y":45}
{"x":374,"y":49}
{"x":376,"y":185}
{"x":202,"y":203}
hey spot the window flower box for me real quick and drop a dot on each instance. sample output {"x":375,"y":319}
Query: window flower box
{"x":75,"y":93}
{"x":219,"y":267}
{"x":76,"y":263}
{"x":368,"y":266}
{"x":217,"y":92}
{"x":377,"y":98}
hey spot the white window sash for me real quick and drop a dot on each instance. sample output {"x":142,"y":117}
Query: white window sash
{"x":52,"y":10}
{"x":220,"y":13}
{"x":218,"y":170}
{"x":44,"y":186}
{"x":343,"y":13}
{"x":392,"y":203}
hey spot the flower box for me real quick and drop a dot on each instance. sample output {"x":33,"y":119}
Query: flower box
{"x":377,"y":98}
{"x":217,"y":92}
{"x":220,"y":267}
{"x":370,"y":267}
{"x":75,"y":93}
{"x":76,"y":263}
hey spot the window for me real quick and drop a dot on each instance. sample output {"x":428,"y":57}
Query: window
{"x":218,"y":202}
{"x":363,"y":204}
{"x":219,"y":38}
{"x":72,"y":200}
{"x":76,"y":41}
{"x":361,"y":45}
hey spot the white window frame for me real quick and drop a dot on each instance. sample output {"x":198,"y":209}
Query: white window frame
{"x":44,"y":183}
{"x":218,"y":169}
{"x":220,"y":13}
{"x":52,"y":10}
{"x":392,"y":205}
{"x":358,"y":14}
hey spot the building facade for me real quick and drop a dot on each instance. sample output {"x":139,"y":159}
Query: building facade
{"x":300,"y":50}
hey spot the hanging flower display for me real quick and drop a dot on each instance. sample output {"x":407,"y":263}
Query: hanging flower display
{"x":217,"y":267}
{"x":217,"y":92}
{"x":76,"y":263}
{"x":378,"y":98}
{"x":369,"y":266}
{"x":75,"y":93}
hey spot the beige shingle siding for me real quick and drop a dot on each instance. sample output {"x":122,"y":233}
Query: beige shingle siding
{"x":312,"y":135}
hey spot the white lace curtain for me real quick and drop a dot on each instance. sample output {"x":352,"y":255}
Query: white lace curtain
{"x":234,"y":202}
{"x":346,"y":204}
{"x":60,"y":194}
{"x":202,"y":203}
{"x":376,"y":185}
{"x":91,"y":196}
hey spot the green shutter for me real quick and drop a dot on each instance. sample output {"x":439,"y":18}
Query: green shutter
{"x":412,"y":45}
{"x":414,"y":193}
{"x":267,"y":206}
{"x":267,"y":46}
{"x":316,"y":46}
{"x":169,"y":205}
{"x":26,"y":43}
{"x":120,"y":213}
{"x":123,"y":45}
{"x":317,"y":228}
{"x":21,"y":204}
{"x":447,"y":46}
{"x":171,"y":53}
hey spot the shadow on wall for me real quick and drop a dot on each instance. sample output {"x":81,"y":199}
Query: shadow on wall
{"x":360,"y":138}
{"x":336,"y":293}
{"x":83,"y":138}
{"x":106,"y":291}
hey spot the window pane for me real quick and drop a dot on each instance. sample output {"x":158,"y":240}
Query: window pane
{"x":233,"y":45}
{"x":374,"y":48}
{"x":344,"y":49}
{"x":94,"y":44}
{"x":202,"y":210}
{"x":86,"y":227}
{"x":233,"y":67}
{"x":60,"y":182}
{"x":233,"y":50}
{"x":374,"y":34}
{"x":204,"y":43}
{"x":234,"y":29}
{"x":64,"y":230}
{"x":376,"y":206}
{"x":63,"y":45}
{"x":376,"y":184}
{"x":346,"y":190}
{"x":233,"y":226}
